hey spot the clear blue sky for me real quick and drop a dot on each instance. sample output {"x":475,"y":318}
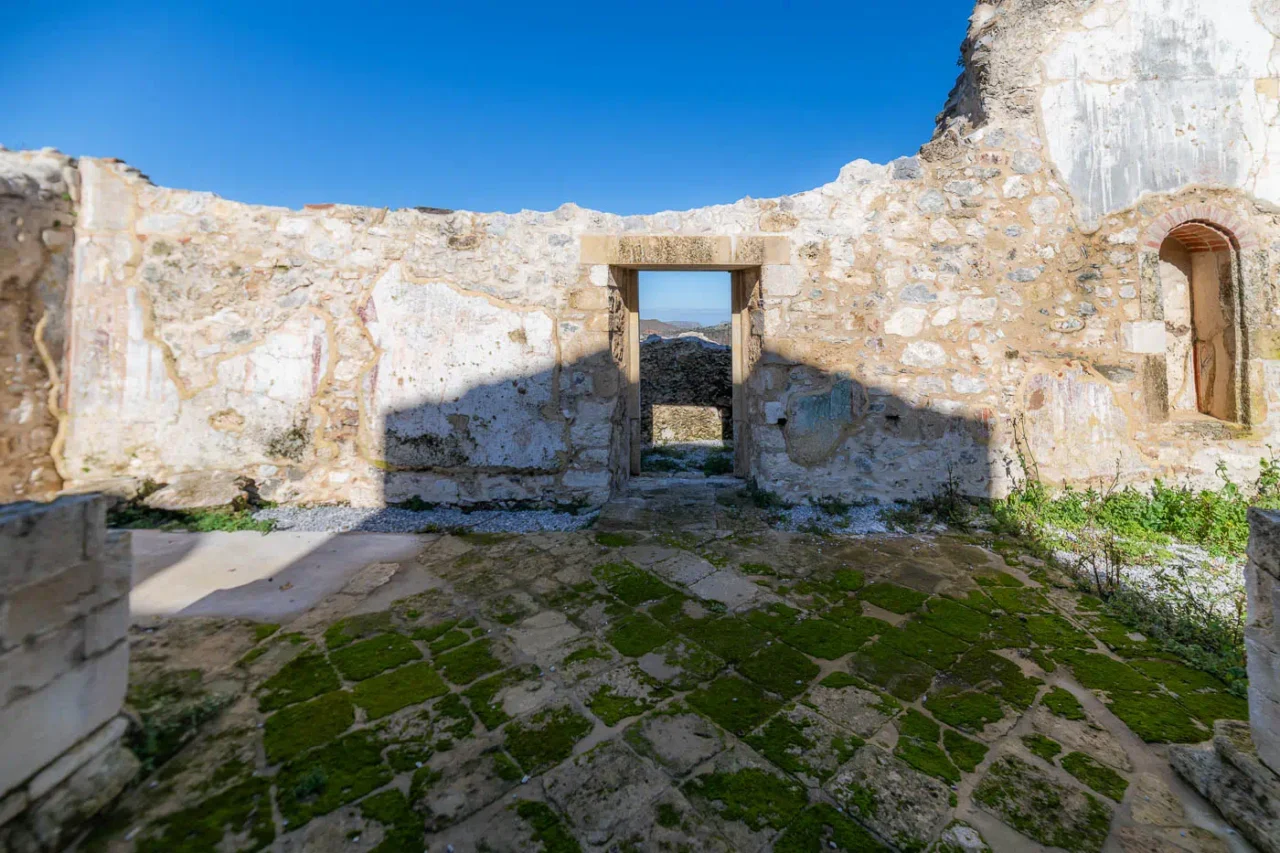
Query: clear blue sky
{"x":626,"y":107}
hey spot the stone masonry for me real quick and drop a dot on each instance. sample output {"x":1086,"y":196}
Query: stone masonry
{"x":998,"y":295}
{"x":1262,"y":634}
{"x":64,"y":656}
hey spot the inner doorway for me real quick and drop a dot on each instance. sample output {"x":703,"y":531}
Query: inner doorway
{"x":686,"y":376}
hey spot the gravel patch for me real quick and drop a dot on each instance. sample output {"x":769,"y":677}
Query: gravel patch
{"x":856,"y":521}
{"x":343,"y":519}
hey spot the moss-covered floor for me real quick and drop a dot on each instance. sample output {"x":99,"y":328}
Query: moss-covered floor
{"x":679,"y":678}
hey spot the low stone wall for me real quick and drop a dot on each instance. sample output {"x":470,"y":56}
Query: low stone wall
{"x":686,"y":390}
{"x":64,"y":666}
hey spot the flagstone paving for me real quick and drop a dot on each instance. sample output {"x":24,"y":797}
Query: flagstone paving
{"x":681,"y":677}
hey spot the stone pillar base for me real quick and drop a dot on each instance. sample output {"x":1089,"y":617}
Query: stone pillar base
{"x":1228,"y":774}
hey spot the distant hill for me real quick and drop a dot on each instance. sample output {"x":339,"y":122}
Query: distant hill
{"x":664,"y":329}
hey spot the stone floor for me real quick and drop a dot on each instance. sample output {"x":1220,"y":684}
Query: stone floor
{"x":680,"y":677}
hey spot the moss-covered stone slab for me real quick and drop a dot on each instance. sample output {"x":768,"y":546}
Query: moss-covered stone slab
{"x":637,"y":635}
{"x":296,"y":729}
{"x":679,"y":740}
{"x":839,"y":698}
{"x":366,"y":658}
{"x":892,"y":597}
{"x":780,"y":669}
{"x":452,"y":786}
{"x":821,"y":828}
{"x":604,"y":791}
{"x":734,"y":703}
{"x":804,"y":743}
{"x":409,"y":685}
{"x":1030,"y":801}
{"x":621,"y":693}
{"x":545,"y":738}
{"x":1081,"y":736}
{"x":322,"y":780}
{"x":681,"y":664}
{"x":916,"y":639}
{"x":884,"y":666}
{"x":895,"y":800}
{"x":464,"y":665}
{"x":952,"y":617}
{"x":747,"y":799}
{"x":303,"y":678}
{"x":237,"y":820}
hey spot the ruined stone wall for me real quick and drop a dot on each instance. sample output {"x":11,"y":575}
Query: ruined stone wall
{"x":64,"y":665}
{"x":37,"y":217}
{"x":686,"y":390}
{"x":997,"y":297}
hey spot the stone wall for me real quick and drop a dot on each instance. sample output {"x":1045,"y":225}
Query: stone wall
{"x":64,"y":656}
{"x":1262,"y":634}
{"x":686,"y":390}
{"x":998,"y":296}
{"x":37,"y":218}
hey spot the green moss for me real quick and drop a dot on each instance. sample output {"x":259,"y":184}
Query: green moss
{"x":507,"y":770}
{"x":357,"y":627}
{"x":637,"y":635}
{"x":367,"y":658}
{"x":422,"y":780}
{"x":262,"y":630}
{"x":927,"y":758}
{"x":431,"y":633}
{"x":837,"y":680}
{"x":786,"y":743}
{"x":667,"y":816}
{"x":1156,"y":718}
{"x":252,"y":655}
{"x":546,"y":738}
{"x":975,"y":599}
{"x":849,"y":580}
{"x":409,"y":685}
{"x":616,"y":540}
{"x":822,"y":639}
{"x":1033,"y":805}
{"x":1019,"y":600}
{"x":1052,"y":631}
{"x":735,"y":704}
{"x":902,"y":676}
{"x":965,"y":753}
{"x":548,"y":830}
{"x":612,"y":708}
{"x":967,"y":710}
{"x":402,"y":759}
{"x":450,"y":721}
{"x":1208,"y":708}
{"x":984,"y":670}
{"x":310,"y":724}
{"x":302,"y":678}
{"x":726,"y":637}
{"x":759,"y":569}
{"x":995,"y":579}
{"x":917,"y":640}
{"x":1177,"y":677}
{"x":172,"y":705}
{"x":1064,"y":704}
{"x":1043,"y":660}
{"x":449,"y":640}
{"x":404,"y":832}
{"x":780,"y":669}
{"x":820,"y":829}
{"x":951,"y":617}
{"x":633,"y":585}
{"x":481,"y":694}
{"x":242,"y":812}
{"x":916,"y":725}
{"x":588,"y":652}
{"x":756,"y":797}
{"x":849,"y":616}
{"x":894,"y":598}
{"x":465,"y":665}
{"x":1097,"y":776}
{"x":1044,"y":747}
{"x":774,"y":618}
{"x":1115,"y":634}
{"x":351,"y":767}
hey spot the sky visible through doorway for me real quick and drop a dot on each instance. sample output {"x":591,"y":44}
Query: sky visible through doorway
{"x":692,"y":297}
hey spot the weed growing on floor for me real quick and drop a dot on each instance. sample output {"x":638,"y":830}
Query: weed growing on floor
{"x":546,"y":738}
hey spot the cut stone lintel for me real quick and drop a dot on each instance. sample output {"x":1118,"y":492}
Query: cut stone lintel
{"x":677,"y":252}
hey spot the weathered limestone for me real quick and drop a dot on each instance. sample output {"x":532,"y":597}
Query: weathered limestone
{"x":999,"y":295}
{"x":64,"y":614}
{"x":37,"y":198}
{"x":1240,"y":772}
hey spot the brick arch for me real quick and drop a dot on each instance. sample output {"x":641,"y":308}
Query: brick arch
{"x":1205,"y":218}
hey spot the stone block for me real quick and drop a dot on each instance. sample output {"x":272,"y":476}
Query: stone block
{"x":1264,"y":540}
{"x":95,"y":744}
{"x":106,"y":626}
{"x":29,"y":667}
{"x":13,"y":805}
{"x":41,"y":726}
{"x":1264,"y":723}
{"x":1143,"y":337}
{"x":1261,"y":590}
{"x":42,"y":539}
{"x":43,"y":606}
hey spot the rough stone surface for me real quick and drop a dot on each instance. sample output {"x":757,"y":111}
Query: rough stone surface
{"x":686,"y":390}
{"x":1229,"y":775}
